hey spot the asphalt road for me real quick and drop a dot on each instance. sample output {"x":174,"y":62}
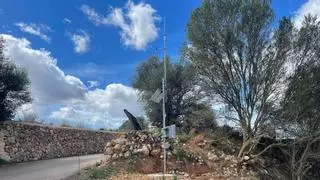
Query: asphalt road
{"x":47,"y":169}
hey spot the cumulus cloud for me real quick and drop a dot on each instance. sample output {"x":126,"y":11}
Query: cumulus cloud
{"x":101,"y":107}
{"x":35,"y":29}
{"x":310,"y":7}
{"x":66,"y":21}
{"x":59,"y":97}
{"x":81,"y":41}
{"x":49,"y":84}
{"x":137,"y":23}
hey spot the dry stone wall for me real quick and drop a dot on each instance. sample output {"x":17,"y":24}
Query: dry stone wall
{"x":26,"y":142}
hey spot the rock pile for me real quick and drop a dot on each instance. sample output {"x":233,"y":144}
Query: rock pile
{"x":135,"y":142}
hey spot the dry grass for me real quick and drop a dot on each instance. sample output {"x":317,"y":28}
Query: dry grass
{"x":130,"y":176}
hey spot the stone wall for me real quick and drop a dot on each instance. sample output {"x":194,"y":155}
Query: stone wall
{"x":21,"y":142}
{"x":134,"y":142}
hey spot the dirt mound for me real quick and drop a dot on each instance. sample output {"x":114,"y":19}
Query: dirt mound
{"x":199,"y":157}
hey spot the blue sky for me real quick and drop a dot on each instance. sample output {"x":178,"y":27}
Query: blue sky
{"x":106,"y":49}
{"x":93,"y":53}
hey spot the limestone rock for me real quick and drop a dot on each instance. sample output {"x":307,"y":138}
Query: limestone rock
{"x":211,"y":156}
{"x":246,"y":158}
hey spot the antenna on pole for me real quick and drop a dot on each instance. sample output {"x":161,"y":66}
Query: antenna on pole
{"x":157,"y":96}
{"x":164,"y":97}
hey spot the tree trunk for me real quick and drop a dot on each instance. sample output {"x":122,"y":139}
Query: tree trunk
{"x":246,"y":141}
{"x":244,"y":147}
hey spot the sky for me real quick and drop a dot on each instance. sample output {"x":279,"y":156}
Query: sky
{"x":81,"y":55}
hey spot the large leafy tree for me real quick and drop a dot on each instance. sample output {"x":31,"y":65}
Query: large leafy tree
{"x":240,"y":59}
{"x":14,"y":86}
{"x":182,"y":95}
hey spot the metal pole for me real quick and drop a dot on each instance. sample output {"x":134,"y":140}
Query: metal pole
{"x":164,"y":133}
{"x":164,"y":98}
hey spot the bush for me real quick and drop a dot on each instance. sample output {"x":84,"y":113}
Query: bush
{"x":184,"y":137}
{"x":224,"y":139}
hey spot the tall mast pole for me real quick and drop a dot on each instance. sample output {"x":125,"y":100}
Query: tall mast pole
{"x":164,"y":96}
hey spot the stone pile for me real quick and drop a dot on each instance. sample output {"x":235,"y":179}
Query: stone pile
{"x":135,"y":142}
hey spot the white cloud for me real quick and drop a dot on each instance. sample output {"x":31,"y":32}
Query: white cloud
{"x":310,"y":7}
{"x":49,"y":84}
{"x":35,"y":29}
{"x":101,"y":107}
{"x":93,"y":84}
{"x":59,"y":97}
{"x":135,"y":21}
{"x":81,"y":41}
{"x":66,"y":21}
{"x":93,"y":16}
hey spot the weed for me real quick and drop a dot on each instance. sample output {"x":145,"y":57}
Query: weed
{"x":175,"y":178}
{"x":181,"y":154}
{"x":132,"y":161}
{"x":3,"y":161}
{"x":101,"y":172}
{"x":184,"y":137}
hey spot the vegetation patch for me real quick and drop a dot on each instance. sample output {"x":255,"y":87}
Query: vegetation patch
{"x":3,"y":161}
{"x":96,"y":172}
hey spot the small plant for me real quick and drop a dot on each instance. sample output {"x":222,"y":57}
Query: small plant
{"x":3,"y":161}
{"x":101,"y":172}
{"x":184,"y":137}
{"x":181,"y":154}
{"x":132,"y":160}
{"x":175,"y":177}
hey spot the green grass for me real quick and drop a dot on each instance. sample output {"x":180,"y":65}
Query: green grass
{"x":94,"y":173}
{"x":101,"y":173}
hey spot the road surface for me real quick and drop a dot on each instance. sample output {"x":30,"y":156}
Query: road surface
{"x":52,"y":169}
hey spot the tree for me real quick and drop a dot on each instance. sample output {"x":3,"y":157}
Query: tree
{"x":182,"y":95}
{"x":14,"y":86}
{"x":241,"y":60}
{"x":300,"y":115}
{"x":201,"y":118}
{"x":300,"y":109}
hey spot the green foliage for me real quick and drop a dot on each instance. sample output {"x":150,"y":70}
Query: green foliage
{"x":182,"y":95}
{"x":101,"y":172}
{"x":132,"y":163}
{"x":14,"y":86}
{"x":239,"y":60}
{"x":201,"y":119}
{"x":301,"y":105}
{"x":184,"y":137}
{"x":127,"y":125}
{"x":221,"y":139}
{"x":3,"y":161}
{"x":181,"y":154}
